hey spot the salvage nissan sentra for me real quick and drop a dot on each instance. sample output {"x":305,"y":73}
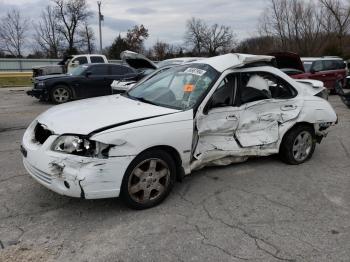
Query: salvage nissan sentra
{"x":217,"y":111}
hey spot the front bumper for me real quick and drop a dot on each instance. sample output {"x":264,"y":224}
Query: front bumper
{"x":70,"y":175}
{"x":38,"y":93}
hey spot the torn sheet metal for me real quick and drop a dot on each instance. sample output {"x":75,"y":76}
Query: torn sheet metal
{"x":232,"y":135}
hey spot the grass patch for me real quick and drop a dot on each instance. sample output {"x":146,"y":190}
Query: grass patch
{"x":13,"y":81}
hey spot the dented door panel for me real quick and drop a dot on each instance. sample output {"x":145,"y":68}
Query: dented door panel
{"x":259,"y":121}
{"x":219,"y":121}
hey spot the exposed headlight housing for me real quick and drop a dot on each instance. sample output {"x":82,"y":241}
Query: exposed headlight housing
{"x":40,"y":84}
{"x":81,"y":146}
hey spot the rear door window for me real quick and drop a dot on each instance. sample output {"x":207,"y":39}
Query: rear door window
{"x":96,"y":59}
{"x":257,"y":86}
{"x":121,"y":70}
{"x":330,"y":65}
{"x":98,"y":70}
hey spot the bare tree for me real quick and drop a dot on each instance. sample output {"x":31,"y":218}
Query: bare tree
{"x":206,"y":39}
{"x":48,"y":36}
{"x":218,"y":38}
{"x":195,"y":33}
{"x":160,"y":50}
{"x":338,"y":19}
{"x":296,"y":25}
{"x":13,"y":27}
{"x":72,"y":14}
{"x":87,"y":38}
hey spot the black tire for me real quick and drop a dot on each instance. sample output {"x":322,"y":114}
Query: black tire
{"x":290,"y":147}
{"x":60,"y":94}
{"x":147,"y":185}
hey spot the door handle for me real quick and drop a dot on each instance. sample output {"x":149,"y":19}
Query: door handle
{"x":288,"y":107}
{"x":232,"y":118}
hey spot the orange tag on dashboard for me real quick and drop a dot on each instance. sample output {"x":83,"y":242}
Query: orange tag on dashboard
{"x":189,"y":88}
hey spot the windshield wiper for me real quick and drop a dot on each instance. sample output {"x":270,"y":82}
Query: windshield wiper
{"x":141,"y":99}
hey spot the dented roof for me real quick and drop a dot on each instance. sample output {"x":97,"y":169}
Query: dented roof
{"x":224,"y":62}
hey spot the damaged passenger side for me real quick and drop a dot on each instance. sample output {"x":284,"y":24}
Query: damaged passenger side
{"x":243,"y":118}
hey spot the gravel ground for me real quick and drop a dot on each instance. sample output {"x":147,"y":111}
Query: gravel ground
{"x":261,"y":210}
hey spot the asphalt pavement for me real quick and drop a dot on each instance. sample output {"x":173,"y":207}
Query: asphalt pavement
{"x":260,"y":210}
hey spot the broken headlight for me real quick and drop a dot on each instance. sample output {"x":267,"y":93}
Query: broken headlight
{"x":76,"y":145}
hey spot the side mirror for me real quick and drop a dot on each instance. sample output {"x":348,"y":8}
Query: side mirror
{"x":88,"y":73}
{"x":312,"y":71}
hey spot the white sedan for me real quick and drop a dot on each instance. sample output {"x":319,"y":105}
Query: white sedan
{"x":216,"y":111}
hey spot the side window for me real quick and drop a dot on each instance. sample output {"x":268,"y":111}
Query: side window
{"x":97,"y":70}
{"x":340,"y":64}
{"x":120,"y":70}
{"x":258,"y":86}
{"x":96,"y":59}
{"x":82,"y":60}
{"x":330,"y":65}
{"x":317,"y":66}
{"x":225,"y":93}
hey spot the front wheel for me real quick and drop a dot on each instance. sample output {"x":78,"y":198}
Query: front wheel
{"x":298,"y":145}
{"x":148,"y":180}
{"x":60,"y":94}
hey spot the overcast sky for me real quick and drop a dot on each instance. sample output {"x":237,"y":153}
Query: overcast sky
{"x":165,"y":19}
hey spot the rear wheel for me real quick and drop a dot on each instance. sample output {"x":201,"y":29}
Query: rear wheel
{"x":60,"y":94}
{"x":298,"y":145}
{"x":148,"y":180}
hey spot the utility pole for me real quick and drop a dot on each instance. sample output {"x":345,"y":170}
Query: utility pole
{"x":100,"y":19}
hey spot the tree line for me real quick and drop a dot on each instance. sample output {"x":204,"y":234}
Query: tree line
{"x":309,"y":28}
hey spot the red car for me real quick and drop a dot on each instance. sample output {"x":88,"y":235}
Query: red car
{"x":329,"y":70}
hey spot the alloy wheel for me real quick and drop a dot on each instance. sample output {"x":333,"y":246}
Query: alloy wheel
{"x":61,"y":95}
{"x":302,"y":146}
{"x":149,"y":180}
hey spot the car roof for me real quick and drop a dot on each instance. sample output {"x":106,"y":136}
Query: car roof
{"x":233,"y":60}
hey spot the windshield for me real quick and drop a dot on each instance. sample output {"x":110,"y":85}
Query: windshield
{"x":179,"y":87}
{"x":307,"y":66}
{"x":78,"y":70}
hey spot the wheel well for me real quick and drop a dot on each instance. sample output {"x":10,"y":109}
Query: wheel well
{"x":303,"y":124}
{"x":296,"y":125}
{"x":180,"y":173}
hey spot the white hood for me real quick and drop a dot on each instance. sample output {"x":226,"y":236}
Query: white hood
{"x":85,"y":116}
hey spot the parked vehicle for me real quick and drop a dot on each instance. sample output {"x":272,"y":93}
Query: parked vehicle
{"x":121,"y":86}
{"x":216,"y":111}
{"x":85,"y":81}
{"x":68,"y":64}
{"x":329,"y":70}
{"x":147,"y":67}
